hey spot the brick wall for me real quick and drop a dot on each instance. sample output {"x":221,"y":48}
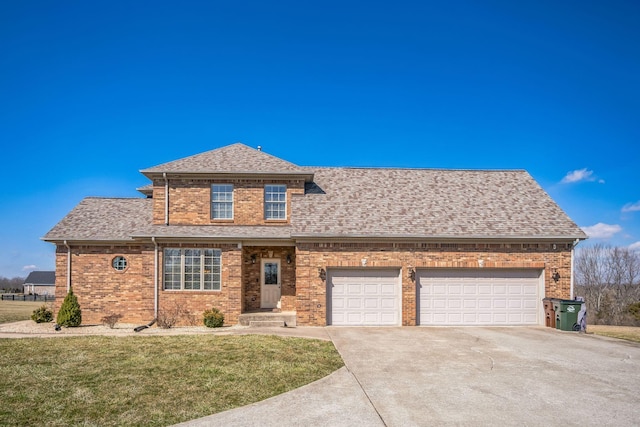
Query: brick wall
{"x":251,"y":276}
{"x":100,"y":289}
{"x":311,"y":290}
{"x":190,"y":201}
{"x":228,"y":300}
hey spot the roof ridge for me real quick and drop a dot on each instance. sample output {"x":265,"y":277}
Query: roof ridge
{"x":383,"y":168}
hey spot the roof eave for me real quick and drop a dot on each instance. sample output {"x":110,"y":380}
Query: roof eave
{"x":436,"y":238}
{"x":152,"y":174}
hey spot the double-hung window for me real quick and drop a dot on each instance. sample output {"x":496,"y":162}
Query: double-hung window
{"x":222,"y":201}
{"x":192,"y":269}
{"x":275,"y":202}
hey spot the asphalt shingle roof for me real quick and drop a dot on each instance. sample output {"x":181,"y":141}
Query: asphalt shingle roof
{"x":347,"y":202}
{"x":428,"y":203}
{"x":118,"y":219}
{"x":233,"y":159}
{"x":98,"y":219}
{"x":41,"y":278}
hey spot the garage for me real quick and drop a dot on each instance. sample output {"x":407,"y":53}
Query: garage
{"x":479,"y":297}
{"x":363,"y":297}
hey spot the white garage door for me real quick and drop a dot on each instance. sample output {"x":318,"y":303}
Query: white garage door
{"x":363,"y":297}
{"x":478,"y":297}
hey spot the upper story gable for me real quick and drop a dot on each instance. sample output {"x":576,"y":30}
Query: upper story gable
{"x":232,"y":185}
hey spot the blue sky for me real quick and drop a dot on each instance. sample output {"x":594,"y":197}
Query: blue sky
{"x":92,"y":92}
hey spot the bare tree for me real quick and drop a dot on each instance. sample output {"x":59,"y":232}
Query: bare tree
{"x":609,"y":279}
{"x":11,"y":285}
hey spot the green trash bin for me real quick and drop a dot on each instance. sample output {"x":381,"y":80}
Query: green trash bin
{"x":568,"y":319}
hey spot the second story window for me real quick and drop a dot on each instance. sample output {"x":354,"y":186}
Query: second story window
{"x":275,"y":202}
{"x":222,"y":201}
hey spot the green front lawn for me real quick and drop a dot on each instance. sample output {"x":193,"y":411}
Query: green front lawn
{"x":156,"y":381}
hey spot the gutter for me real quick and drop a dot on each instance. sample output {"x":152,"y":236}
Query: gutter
{"x":68,"y":266}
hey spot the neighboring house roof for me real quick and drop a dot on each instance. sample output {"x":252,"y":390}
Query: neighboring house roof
{"x":41,"y":278}
{"x":237,"y":159}
{"x":428,"y":203}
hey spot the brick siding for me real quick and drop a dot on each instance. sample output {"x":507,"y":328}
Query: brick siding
{"x":311,"y":301}
{"x":102,"y":290}
{"x":190,"y":201}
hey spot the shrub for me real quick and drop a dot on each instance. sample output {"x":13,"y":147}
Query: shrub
{"x":110,"y":320}
{"x":170,"y":315}
{"x":213,"y":318}
{"x":634,"y":310}
{"x":42,"y":314}
{"x":70,"y":313}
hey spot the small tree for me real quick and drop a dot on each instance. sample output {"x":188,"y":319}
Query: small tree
{"x":69,"y":314}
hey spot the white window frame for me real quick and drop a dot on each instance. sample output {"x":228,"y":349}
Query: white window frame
{"x":192,"y":269}
{"x":215,"y":199}
{"x":278,"y":192}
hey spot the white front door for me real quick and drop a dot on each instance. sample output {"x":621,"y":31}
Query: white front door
{"x":270,"y":283}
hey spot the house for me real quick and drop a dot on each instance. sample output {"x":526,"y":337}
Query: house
{"x":40,"y":283}
{"x":243,"y":231}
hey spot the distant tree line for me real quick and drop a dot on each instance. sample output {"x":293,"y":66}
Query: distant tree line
{"x":609,"y":280}
{"x":11,"y":285}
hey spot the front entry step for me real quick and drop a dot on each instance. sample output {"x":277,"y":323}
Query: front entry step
{"x":268,"y":319}
{"x":267,"y":324}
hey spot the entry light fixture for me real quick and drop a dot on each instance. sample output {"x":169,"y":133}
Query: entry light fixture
{"x":288,"y":258}
{"x":253,"y":259}
{"x":555,"y":275}
{"x":322,"y":274}
{"x":412,"y":274}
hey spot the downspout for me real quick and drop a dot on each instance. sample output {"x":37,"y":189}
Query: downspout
{"x":155,"y":289}
{"x":155,"y":278}
{"x":573,"y":250}
{"x":166,"y":198}
{"x":68,"y":266}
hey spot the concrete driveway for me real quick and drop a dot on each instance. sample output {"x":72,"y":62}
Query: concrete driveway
{"x":414,"y":376}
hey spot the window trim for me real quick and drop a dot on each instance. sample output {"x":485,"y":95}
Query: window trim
{"x":217,"y":254}
{"x":126,"y":264}
{"x":232,"y":202}
{"x":266,"y":203}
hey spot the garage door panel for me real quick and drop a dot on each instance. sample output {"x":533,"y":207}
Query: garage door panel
{"x":371,"y":289}
{"x":371,"y":303}
{"x":470,"y":303}
{"x":499,"y":303}
{"x":354,"y":289}
{"x":389,"y":289}
{"x":478,"y":297}
{"x":354,"y":303}
{"x":439,"y":289}
{"x":499,"y":290}
{"x":373,"y":297}
{"x":484,"y":303}
{"x":484,"y":289}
